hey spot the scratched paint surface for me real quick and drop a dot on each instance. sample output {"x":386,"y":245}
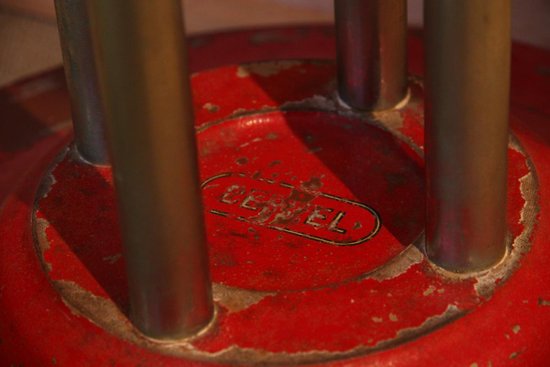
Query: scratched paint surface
{"x":37,"y":328}
{"x":289,"y":217}
{"x":304,"y":207}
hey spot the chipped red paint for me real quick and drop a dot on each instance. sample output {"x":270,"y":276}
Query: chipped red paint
{"x":280,"y":124}
{"x":302,"y":275}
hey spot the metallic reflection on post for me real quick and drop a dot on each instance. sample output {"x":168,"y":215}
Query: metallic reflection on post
{"x":371,"y":51}
{"x":141,"y":56}
{"x":467,"y":91}
{"x":81,"y":74}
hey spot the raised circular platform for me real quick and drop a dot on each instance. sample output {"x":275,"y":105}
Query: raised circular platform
{"x":312,"y":212}
{"x":314,"y":215}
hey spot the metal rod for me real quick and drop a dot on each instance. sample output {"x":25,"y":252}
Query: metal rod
{"x":371,"y":51}
{"x":81,"y":75}
{"x":467,"y":100}
{"x":141,"y":58}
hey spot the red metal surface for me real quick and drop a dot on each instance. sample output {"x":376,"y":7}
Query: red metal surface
{"x":279,"y":161}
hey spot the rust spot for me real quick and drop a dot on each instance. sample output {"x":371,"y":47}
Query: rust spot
{"x":301,"y":196}
{"x":225,"y":259}
{"x":238,"y":112}
{"x":236,"y":299}
{"x":392,"y":119}
{"x":41,"y":238}
{"x":429,"y":291}
{"x":313,"y":184}
{"x":237,"y":234}
{"x":452,"y":312}
{"x":398,"y":265}
{"x":100,"y":311}
{"x":242,"y":161}
{"x":46,"y":185}
{"x":210,"y":107}
{"x":255,"y":140}
{"x":242,"y":72}
{"x":487,"y":280}
{"x":272,"y":136}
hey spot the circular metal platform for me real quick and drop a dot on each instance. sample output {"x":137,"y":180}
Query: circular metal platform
{"x":314,"y":216}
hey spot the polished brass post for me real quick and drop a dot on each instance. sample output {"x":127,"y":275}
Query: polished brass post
{"x":141,"y":58}
{"x":81,"y":75}
{"x":467,"y":92}
{"x":371,"y":43}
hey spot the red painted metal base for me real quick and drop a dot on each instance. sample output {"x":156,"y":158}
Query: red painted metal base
{"x":314,"y":215}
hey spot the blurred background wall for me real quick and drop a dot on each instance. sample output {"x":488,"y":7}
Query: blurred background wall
{"x":29,"y":42}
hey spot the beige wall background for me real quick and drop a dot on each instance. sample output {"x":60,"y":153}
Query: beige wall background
{"x":29,"y":42}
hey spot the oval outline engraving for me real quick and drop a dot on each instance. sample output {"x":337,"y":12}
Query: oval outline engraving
{"x":377,"y":220}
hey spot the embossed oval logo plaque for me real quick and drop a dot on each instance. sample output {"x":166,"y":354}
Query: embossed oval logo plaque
{"x":279,"y":206}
